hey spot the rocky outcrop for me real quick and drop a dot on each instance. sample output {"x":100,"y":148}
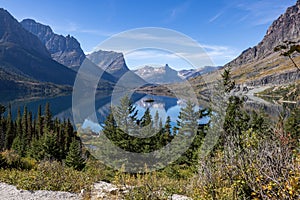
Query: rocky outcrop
{"x":285,"y":28}
{"x":276,"y":79}
{"x":65,"y":50}
{"x":110,"y":61}
{"x":11,"y":192}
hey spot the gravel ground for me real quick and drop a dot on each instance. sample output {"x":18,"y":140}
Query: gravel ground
{"x":9,"y":192}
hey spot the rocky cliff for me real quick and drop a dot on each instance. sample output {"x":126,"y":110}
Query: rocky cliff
{"x":65,"y":50}
{"x":110,"y":61}
{"x":24,"y":57}
{"x":285,"y":28}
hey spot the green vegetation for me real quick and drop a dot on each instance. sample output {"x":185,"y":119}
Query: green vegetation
{"x":254,"y":158}
{"x":286,"y":93}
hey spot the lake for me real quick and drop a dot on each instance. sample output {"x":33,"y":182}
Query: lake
{"x":61,"y":106}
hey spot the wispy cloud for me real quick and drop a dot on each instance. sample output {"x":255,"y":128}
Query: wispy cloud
{"x":262,"y":12}
{"x":177,"y":10}
{"x":215,"y":17}
{"x":72,"y":27}
{"x":219,"y":55}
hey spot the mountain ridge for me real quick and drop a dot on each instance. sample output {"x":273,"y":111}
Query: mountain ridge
{"x":158,"y":75}
{"x":23,"y":53}
{"x":65,"y":50}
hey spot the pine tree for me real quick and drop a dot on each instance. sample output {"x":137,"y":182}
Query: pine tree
{"x":188,"y":126}
{"x":126,"y":116}
{"x":47,"y":118}
{"x":227,"y":82}
{"x":2,"y":127}
{"x":10,"y":131}
{"x":49,"y":146}
{"x":19,"y":143}
{"x":110,"y":127}
{"x":39,"y":123}
{"x":74,"y":158}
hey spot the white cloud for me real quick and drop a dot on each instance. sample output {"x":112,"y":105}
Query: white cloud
{"x":215,"y":17}
{"x":219,"y":55}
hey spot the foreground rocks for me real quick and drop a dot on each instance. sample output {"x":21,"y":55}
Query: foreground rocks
{"x":100,"y":191}
{"x":9,"y":192}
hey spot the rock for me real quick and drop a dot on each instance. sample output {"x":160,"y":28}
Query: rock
{"x":179,"y":197}
{"x":285,"y":28}
{"x":104,"y":190}
{"x":9,"y":192}
{"x":158,"y":75}
{"x":65,"y":50}
{"x":110,"y":61}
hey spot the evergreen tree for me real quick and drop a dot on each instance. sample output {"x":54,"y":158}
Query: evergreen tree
{"x":110,"y":127}
{"x":188,"y":127}
{"x":19,"y":143}
{"x":10,"y":131}
{"x":74,"y":158}
{"x":2,"y":127}
{"x":47,"y":118}
{"x":49,"y":146}
{"x":126,"y":116}
{"x":227,"y":82}
{"x":39,"y":123}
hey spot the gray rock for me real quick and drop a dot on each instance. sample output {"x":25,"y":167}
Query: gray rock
{"x":285,"y":28}
{"x":179,"y":197}
{"x":65,"y":50}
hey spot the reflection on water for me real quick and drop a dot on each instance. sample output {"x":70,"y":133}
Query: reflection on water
{"x":61,"y":106}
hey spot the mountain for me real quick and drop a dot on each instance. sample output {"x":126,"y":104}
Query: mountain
{"x":110,"y":61}
{"x":158,"y":75}
{"x":192,"y":73}
{"x":65,"y":50}
{"x":24,"y":57}
{"x":260,"y":65}
{"x":114,"y":63}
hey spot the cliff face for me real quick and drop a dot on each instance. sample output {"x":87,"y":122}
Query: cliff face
{"x":285,"y":28}
{"x":110,"y":61}
{"x":23,"y":57}
{"x":12,"y":32}
{"x":65,"y":50}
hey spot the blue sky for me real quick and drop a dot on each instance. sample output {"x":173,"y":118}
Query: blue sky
{"x":224,"y":28}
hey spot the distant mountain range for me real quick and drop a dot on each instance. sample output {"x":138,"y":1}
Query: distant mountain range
{"x":33,"y":57}
{"x":167,"y":75}
{"x":158,"y":75}
{"x":257,"y":66}
{"x":192,"y":73}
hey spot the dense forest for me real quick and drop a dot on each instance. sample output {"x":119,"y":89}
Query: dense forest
{"x":254,"y":158}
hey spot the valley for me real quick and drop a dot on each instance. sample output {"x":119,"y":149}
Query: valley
{"x":82,"y":122}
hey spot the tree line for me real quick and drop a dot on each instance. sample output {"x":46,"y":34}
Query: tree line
{"x":40,"y":137}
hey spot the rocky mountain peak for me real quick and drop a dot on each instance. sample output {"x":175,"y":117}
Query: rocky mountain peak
{"x":158,"y":75}
{"x":110,"y":61}
{"x":65,"y":50}
{"x":12,"y":32}
{"x":285,"y":28}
